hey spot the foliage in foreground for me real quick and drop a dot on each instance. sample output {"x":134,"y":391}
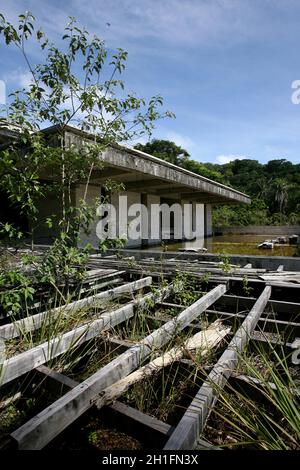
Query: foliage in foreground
{"x":78,"y":82}
{"x":266,"y":415}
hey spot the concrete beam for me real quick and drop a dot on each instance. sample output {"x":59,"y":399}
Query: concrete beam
{"x":141,"y":163}
{"x":108,"y":172}
{"x":176,"y":189}
{"x":147,"y":164}
{"x":145,"y":184}
{"x":202,"y":198}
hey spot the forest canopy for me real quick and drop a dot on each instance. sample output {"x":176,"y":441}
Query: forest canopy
{"x":274,"y":187}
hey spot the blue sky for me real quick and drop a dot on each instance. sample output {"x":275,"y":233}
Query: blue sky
{"x":224,"y":67}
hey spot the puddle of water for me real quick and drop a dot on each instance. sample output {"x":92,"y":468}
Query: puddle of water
{"x":232,"y":244}
{"x":246,"y":245}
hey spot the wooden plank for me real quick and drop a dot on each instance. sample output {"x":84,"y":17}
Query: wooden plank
{"x":24,"y":362}
{"x":146,"y":420}
{"x":57,"y":377}
{"x":281,"y":323}
{"x":9,"y":400}
{"x":263,"y":319}
{"x":192,"y":423}
{"x":230,"y":278}
{"x":186,"y":267}
{"x":118,"y":343}
{"x":261,"y":337}
{"x":247,"y":266}
{"x":281,"y":306}
{"x":34,"y":322}
{"x":205,"y":445}
{"x":168,"y":304}
{"x":117,"y":406}
{"x":41,"y":429}
{"x":94,"y":287}
{"x":287,"y":284}
{"x":278,"y":306}
{"x":257,"y":383}
{"x":285,"y":279}
{"x":97,"y":275}
{"x":100,"y":273}
{"x":252,"y":381}
{"x":202,"y":342}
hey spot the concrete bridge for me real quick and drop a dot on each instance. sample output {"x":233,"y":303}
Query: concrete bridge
{"x":148,"y":180}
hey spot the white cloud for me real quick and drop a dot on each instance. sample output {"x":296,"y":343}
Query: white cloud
{"x":173,"y":21}
{"x":2,"y":92}
{"x":19,"y":78}
{"x":137,"y":25}
{"x":229,"y":158}
{"x":183,"y":141}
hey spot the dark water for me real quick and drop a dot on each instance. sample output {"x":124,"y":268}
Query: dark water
{"x":233,"y":244}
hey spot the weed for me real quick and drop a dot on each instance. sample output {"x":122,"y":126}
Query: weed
{"x":248,"y":290}
{"x":186,"y":290}
{"x":93,"y":437}
{"x":267,"y":415}
{"x":15,"y":291}
{"x":225,"y":263}
{"x":205,"y":278}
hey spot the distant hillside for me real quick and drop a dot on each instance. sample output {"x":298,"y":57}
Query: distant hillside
{"x":274,"y":187}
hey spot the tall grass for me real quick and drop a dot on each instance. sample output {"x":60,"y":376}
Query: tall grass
{"x":265,"y":414}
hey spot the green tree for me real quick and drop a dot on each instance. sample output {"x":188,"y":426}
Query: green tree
{"x":281,"y":193}
{"x":166,"y":150}
{"x":279,"y":167}
{"x":169,"y":151}
{"x":273,"y":187}
{"x":78,"y":83}
{"x":69,"y":87}
{"x":207,"y":170}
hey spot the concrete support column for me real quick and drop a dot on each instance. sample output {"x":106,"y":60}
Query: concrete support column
{"x":208,"y":220}
{"x":148,"y":200}
{"x":199,"y":219}
{"x":129,"y":219}
{"x":93,"y":192}
{"x":187,"y":219}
